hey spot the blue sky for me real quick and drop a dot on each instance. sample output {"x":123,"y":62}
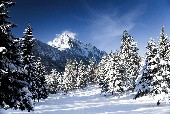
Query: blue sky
{"x":99,"y":22}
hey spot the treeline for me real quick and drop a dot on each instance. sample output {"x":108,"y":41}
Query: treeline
{"x":76,"y":75}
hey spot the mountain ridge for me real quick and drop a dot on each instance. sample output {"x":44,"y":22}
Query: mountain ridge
{"x":64,"y":47}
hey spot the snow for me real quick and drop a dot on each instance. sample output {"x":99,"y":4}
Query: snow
{"x":68,"y":41}
{"x":89,"y":101}
{"x":3,"y":50}
{"x":62,"y":40}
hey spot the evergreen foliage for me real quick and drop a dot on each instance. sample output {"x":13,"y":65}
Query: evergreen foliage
{"x":35,"y":70}
{"x":40,"y":80}
{"x":130,"y":61}
{"x":152,"y":80}
{"x":14,"y":92}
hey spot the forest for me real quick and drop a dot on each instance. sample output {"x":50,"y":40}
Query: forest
{"x":24,"y":81}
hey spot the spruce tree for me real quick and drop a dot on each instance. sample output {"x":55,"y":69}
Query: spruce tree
{"x":51,"y":80}
{"x":130,"y":61}
{"x":27,"y":43}
{"x":151,"y":82}
{"x":101,"y":70}
{"x":14,"y":92}
{"x":40,"y":80}
{"x":164,"y":52}
{"x":163,"y":45}
{"x":35,"y":71}
{"x":91,"y":69}
{"x":107,"y":86}
{"x":114,"y":80}
{"x":82,"y":77}
{"x":70,"y":75}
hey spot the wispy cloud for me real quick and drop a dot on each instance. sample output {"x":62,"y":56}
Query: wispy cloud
{"x":108,"y":26}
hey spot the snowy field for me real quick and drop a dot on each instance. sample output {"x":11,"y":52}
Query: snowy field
{"x":89,"y":101}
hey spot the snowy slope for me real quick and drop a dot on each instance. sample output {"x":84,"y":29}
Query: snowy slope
{"x":89,"y":101}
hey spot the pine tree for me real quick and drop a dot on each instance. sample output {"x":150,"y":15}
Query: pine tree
{"x":114,"y":82}
{"x":54,"y":81}
{"x":101,"y":70}
{"x":14,"y":91}
{"x":151,"y":82}
{"x":27,"y":43}
{"x":107,"y":86}
{"x":70,"y":75}
{"x":40,"y":80}
{"x":91,"y":69}
{"x":82,"y":77}
{"x":130,"y":61}
{"x":50,"y":80}
{"x":163,"y":45}
{"x":35,"y":74}
{"x":164,"y":52}
{"x":59,"y":82}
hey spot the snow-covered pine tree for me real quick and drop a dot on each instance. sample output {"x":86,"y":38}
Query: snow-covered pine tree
{"x":107,"y":86}
{"x":27,"y":43}
{"x":91,"y":67}
{"x":14,"y":91}
{"x":51,"y":81}
{"x":130,"y":60}
{"x":81,"y":75}
{"x":151,"y":82}
{"x":114,"y":82}
{"x":101,"y":70}
{"x":70,"y":75}
{"x":74,"y":73}
{"x":59,"y":82}
{"x":40,"y":80}
{"x":164,"y":53}
{"x":33,"y":77}
{"x":163,"y":45}
{"x":134,"y":66}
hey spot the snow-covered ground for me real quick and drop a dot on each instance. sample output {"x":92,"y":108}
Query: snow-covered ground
{"x":89,"y":101}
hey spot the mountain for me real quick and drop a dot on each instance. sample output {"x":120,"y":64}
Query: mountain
{"x":64,"y":47}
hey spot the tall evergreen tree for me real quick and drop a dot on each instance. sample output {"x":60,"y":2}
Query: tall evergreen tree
{"x":35,"y":74}
{"x":27,"y":43}
{"x":91,"y":71}
{"x":101,"y":70}
{"x":130,"y":60}
{"x":151,"y":82}
{"x":40,"y":80}
{"x":164,"y":53}
{"x":51,"y":80}
{"x":82,"y":76}
{"x":163,"y":45}
{"x":114,"y":80}
{"x":70,"y":75}
{"x":14,"y":91}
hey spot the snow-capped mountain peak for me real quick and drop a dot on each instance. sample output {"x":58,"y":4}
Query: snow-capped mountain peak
{"x":62,"y":41}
